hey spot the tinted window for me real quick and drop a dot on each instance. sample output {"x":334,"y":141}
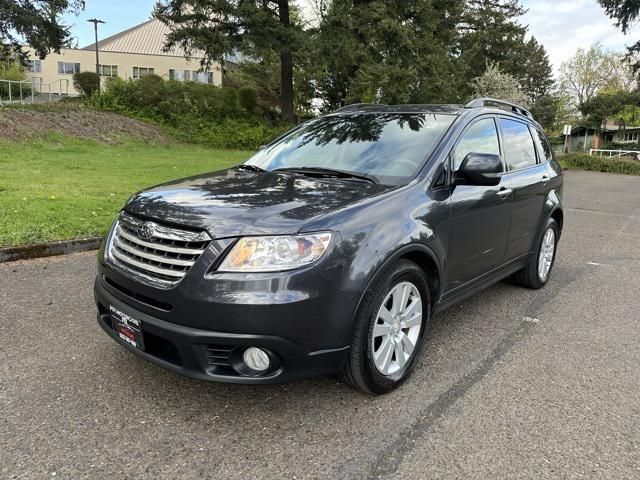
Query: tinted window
{"x":544,"y":150}
{"x":518,"y":144}
{"x":390,"y":146}
{"x":481,"y":137}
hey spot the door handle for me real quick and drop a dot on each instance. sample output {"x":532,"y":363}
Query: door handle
{"x":545,"y":178}
{"x":505,"y":192}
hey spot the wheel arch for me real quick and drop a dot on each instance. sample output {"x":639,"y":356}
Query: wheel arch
{"x":422,"y":256}
{"x":558,"y":215}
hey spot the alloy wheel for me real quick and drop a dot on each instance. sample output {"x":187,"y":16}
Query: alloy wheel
{"x":547,"y":250}
{"x":397,"y":328}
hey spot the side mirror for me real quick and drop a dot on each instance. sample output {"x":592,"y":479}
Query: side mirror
{"x":480,"y":169}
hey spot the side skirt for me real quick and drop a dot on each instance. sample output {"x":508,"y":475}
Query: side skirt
{"x":478,"y":284}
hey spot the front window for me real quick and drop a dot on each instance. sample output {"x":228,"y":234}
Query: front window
{"x":481,"y":137}
{"x":139,"y":72}
{"x":391,"y":147}
{"x":108,"y":70}
{"x":68,"y":68}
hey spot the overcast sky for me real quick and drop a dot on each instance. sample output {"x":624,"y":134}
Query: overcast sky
{"x":560,"y":25}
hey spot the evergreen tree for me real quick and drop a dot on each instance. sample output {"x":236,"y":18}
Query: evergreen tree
{"x":36,"y":23}
{"x":256,"y":28}
{"x":626,"y":13}
{"x":490,"y":32}
{"x":389,"y":51}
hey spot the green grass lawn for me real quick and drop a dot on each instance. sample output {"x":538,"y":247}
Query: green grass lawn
{"x":60,"y":188}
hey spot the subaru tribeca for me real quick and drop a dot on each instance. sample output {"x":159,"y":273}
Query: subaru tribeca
{"x":331,"y":249}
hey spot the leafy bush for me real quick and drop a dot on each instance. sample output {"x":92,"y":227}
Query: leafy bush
{"x":15,"y":72}
{"x":624,"y":165}
{"x":248,"y":99}
{"x":220,"y":117}
{"x":167,"y":101}
{"x":87,"y":83}
{"x":230,"y":133}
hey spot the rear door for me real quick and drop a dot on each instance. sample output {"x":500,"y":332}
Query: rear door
{"x":480,"y":215}
{"x":526,"y":176}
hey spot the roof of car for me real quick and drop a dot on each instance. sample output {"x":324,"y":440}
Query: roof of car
{"x":485,"y":103}
{"x":410,"y":108}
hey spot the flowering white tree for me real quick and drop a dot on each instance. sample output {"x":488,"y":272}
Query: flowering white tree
{"x":496,"y":84}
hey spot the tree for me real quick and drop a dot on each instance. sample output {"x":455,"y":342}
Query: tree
{"x":36,"y":23}
{"x":389,"y":51}
{"x":547,"y":110}
{"x":255,"y":28}
{"x":496,"y":84}
{"x":590,"y":71}
{"x":490,"y":32}
{"x":612,"y":105}
{"x":626,"y":13}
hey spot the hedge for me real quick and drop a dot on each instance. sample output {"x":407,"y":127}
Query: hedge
{"x":219,"y":117}
{"x":624,"y":165}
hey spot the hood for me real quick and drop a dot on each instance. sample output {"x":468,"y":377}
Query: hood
{"x":238,"y":202}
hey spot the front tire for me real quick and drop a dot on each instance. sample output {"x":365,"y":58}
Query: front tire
{"x":388,"y":330}
{"x":536,"y":274}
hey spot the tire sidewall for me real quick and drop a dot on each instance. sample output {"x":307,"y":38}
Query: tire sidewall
{"x":550,"y":223}
{"x":403,"y":272}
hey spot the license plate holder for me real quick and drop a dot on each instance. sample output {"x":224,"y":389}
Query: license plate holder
{"x":128,"y":329}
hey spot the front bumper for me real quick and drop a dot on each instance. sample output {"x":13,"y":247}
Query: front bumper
{"x":213,"y":355}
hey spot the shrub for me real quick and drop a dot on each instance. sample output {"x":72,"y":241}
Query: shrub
{"x":87,"y":83}
{"x":624,"y":165}
{"x":248,"y":99}
{"x":15,"y":72}
{"x":230,"y":133}
{"x":221,"y":117}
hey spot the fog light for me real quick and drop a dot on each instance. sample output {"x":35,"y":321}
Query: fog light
{"x":256,"y":359}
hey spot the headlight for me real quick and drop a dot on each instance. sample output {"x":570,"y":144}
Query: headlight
{"x":272,"y":254}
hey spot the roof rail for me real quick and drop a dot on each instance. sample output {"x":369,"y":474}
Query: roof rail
{"x":485,"y":102}
{"x":354,"y":107}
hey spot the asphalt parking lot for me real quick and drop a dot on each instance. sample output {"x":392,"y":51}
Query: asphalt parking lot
{"x":512,"y":384}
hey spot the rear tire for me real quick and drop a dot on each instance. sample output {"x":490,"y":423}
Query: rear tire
{"x":388,"y":331}
{"x":537,"y":273}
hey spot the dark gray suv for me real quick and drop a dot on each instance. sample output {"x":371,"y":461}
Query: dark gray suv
{"x":330,"y":250}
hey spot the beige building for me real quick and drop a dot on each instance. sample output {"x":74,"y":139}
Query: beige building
{"x":130,"y":54}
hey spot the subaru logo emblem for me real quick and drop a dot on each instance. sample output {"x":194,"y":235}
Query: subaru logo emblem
{"x":146,"y":230}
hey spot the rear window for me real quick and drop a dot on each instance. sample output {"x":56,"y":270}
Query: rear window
{"x":389,"y":146}
{"x":518,"y":144}
{"x":544,"y":150}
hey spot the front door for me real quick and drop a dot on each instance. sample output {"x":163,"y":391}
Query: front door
{"x":480,"y":215}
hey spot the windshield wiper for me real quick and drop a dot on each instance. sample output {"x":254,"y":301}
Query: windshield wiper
{"x":329,"y":172}
{"x":253,"y":168}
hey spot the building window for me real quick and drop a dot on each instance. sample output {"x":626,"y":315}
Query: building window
{"x":108,"y":70}
{"x":203,"y":77}
{"x":34,"y":66}
{"x":68,"y":68}
{"x":630,"y":137}
{"x":180,"y":75}
{"x":139,"y":72}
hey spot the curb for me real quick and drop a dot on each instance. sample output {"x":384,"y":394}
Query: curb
{"x":49,"y":249}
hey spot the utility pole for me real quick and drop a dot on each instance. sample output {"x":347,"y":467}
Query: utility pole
{"x":95,"y":22}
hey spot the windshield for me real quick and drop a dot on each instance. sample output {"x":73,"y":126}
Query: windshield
{"x":391,"y":147}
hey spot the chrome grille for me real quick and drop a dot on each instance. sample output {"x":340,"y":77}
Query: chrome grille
{"x":163,"y":255}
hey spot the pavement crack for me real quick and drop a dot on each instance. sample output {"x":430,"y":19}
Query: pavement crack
{"x":389,"y":462}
